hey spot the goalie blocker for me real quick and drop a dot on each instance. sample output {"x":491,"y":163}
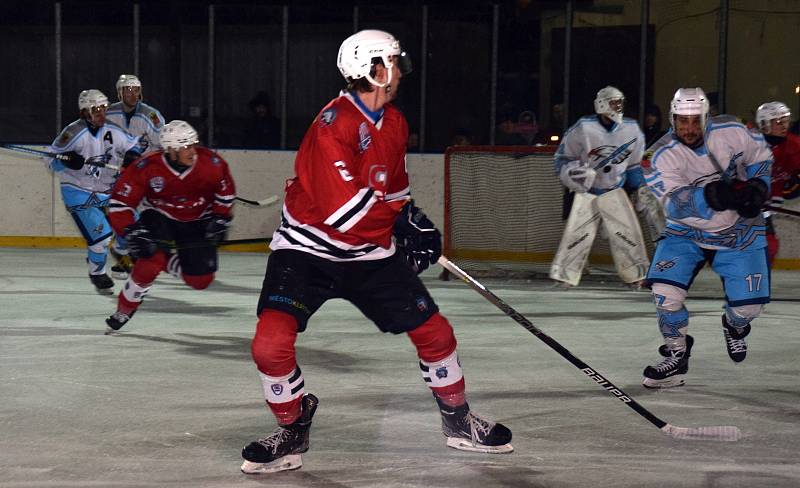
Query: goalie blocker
{"x":624,"y":235}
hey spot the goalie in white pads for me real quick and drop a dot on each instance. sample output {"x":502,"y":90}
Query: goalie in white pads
{"x":713,"y":178}
{"x":597,"y":157}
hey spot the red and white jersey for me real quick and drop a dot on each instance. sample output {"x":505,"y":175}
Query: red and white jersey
{"x":350,"y":183}
{"x":786,"y":169}
{"x":204,"y":188}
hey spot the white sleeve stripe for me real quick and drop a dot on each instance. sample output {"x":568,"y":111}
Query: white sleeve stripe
{"x":352,"y":208}
{"x":398,"y":195}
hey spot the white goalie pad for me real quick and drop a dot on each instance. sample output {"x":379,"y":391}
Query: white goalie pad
{"x":624,"y":235}
{"x":579,"y":234}
{"x":651,"y":211}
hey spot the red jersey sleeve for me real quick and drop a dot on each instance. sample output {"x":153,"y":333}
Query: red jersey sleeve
{"x":225,"y":190}
{"x":126,"y":194}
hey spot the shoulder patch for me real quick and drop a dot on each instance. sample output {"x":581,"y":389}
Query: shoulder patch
{"x":154,"y":119}
{"x":142,"y":163}
{"x":327,"y":116}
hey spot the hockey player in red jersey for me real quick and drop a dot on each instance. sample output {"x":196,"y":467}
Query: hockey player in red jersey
{"x":349,"y":230}
{"x":188,"y":194}
{"x":773,"y":119}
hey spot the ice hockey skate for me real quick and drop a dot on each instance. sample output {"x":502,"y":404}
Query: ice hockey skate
{"x":670,"y":371}
{"x":102,"y":283}
{"x":734,"y":340}
{"x":469,"y":432}
{"x":116,"y":321}
{"x":281,"y":450}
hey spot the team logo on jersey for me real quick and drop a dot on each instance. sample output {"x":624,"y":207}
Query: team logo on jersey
{"x":441,"y":372}
{"x":364,"y":138}
{"x":665,"y":265}
{"x":157,"y":183}
{"x":377,"y":175}
{"x":604,"y":157}
{"x":327,"y":116}
{"x":422,"y":304}
{"x":276,"y":389}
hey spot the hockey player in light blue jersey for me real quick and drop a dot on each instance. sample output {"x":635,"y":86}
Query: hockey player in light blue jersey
{"x":598,"y":156}
{"x":93,"y":145}
{"x":144,"y":122}
{"x":713,"y":176}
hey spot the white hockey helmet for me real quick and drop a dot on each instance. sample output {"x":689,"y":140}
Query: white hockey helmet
{"x":177,"y":134}
{"x":603,"y":103}
{"x":689,"y":101}
{"x":767,"y":112}
{"x":91,"y":98}
{"x":357,"y":52}
{"x":128,"y":80}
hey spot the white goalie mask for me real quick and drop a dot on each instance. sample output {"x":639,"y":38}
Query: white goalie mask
{"x":356,"y":54}
{"x":767,"y":112}
{"x":91,"y":98}
{"x":610,"y":101}
{"x":177,"y":134}
{"x":128,"y":80}
{"x":689,"y":101}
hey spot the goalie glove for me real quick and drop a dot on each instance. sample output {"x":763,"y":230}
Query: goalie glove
{"x":577,"y":177}
{"x":141,"y":243}
{"x":217,"y":228}
{"x":71,"y":159}
{"x":417,"y":238}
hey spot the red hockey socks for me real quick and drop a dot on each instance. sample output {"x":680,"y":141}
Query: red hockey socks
{"x":436,"y":348}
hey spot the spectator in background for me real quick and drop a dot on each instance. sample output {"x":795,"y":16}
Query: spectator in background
{"x":263,"y":130}
{"x":652,"y":125}
{"x":527,"y":126}
{"x":413,"y":142}
{"x":461,"y":137}
{"x":551,"y":136}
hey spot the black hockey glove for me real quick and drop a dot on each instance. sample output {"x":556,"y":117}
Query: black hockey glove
{"x":749,"y":197}
{"x":417,"y":238}
{"x":71,"y":160}
{"x":141,"y":243}
{"x":746,"y":197}
{"x":217,"y":228}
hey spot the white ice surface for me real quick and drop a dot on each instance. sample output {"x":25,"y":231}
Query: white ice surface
{"x":171,"y":401}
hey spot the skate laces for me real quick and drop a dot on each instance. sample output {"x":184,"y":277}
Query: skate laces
{"x":479,"y":427}
{"x":669,"y":362}
{"x":275,"y":439}
{"x":735,"y":345}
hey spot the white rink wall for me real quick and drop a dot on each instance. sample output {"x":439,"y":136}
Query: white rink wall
{"x":32,"y":206}
{"x":31,"y":199}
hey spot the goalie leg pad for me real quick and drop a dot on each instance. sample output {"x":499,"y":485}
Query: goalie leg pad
{"x":624,"y":235}
{"x":579,"y":234}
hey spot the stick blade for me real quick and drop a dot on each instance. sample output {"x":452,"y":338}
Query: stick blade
{"x":724,"y":433}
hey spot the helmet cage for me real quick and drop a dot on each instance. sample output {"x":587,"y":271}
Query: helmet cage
{"x":604,"y":103}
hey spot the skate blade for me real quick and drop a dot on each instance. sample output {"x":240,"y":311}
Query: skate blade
{"x":291,"y":461}
{"x":119,"y":275}
{"x":671,"y":382}
{"x":111,"y":332}
{"x":466,"y":445}
{"x":105,"y":291}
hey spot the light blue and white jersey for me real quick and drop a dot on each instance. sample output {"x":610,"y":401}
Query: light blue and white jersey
{"x":677,"y":175}
{"x":614,"y":153}
{"x":144,"y":122}
{"x":108,"y":143}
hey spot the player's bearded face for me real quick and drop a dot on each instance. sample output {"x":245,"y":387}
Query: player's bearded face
{"x":130,"y":95}
{"x":779,"y":127}
{"x":688,"y":129}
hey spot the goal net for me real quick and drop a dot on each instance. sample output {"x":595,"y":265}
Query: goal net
{"x":503,"y":211}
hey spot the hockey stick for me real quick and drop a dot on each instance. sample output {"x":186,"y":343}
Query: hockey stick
{"x":711,"y":433}
{"x":100,"y":161}
{"x":267,"y":202}
{"x":195,"y":245}
{"x":781,"y":210}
